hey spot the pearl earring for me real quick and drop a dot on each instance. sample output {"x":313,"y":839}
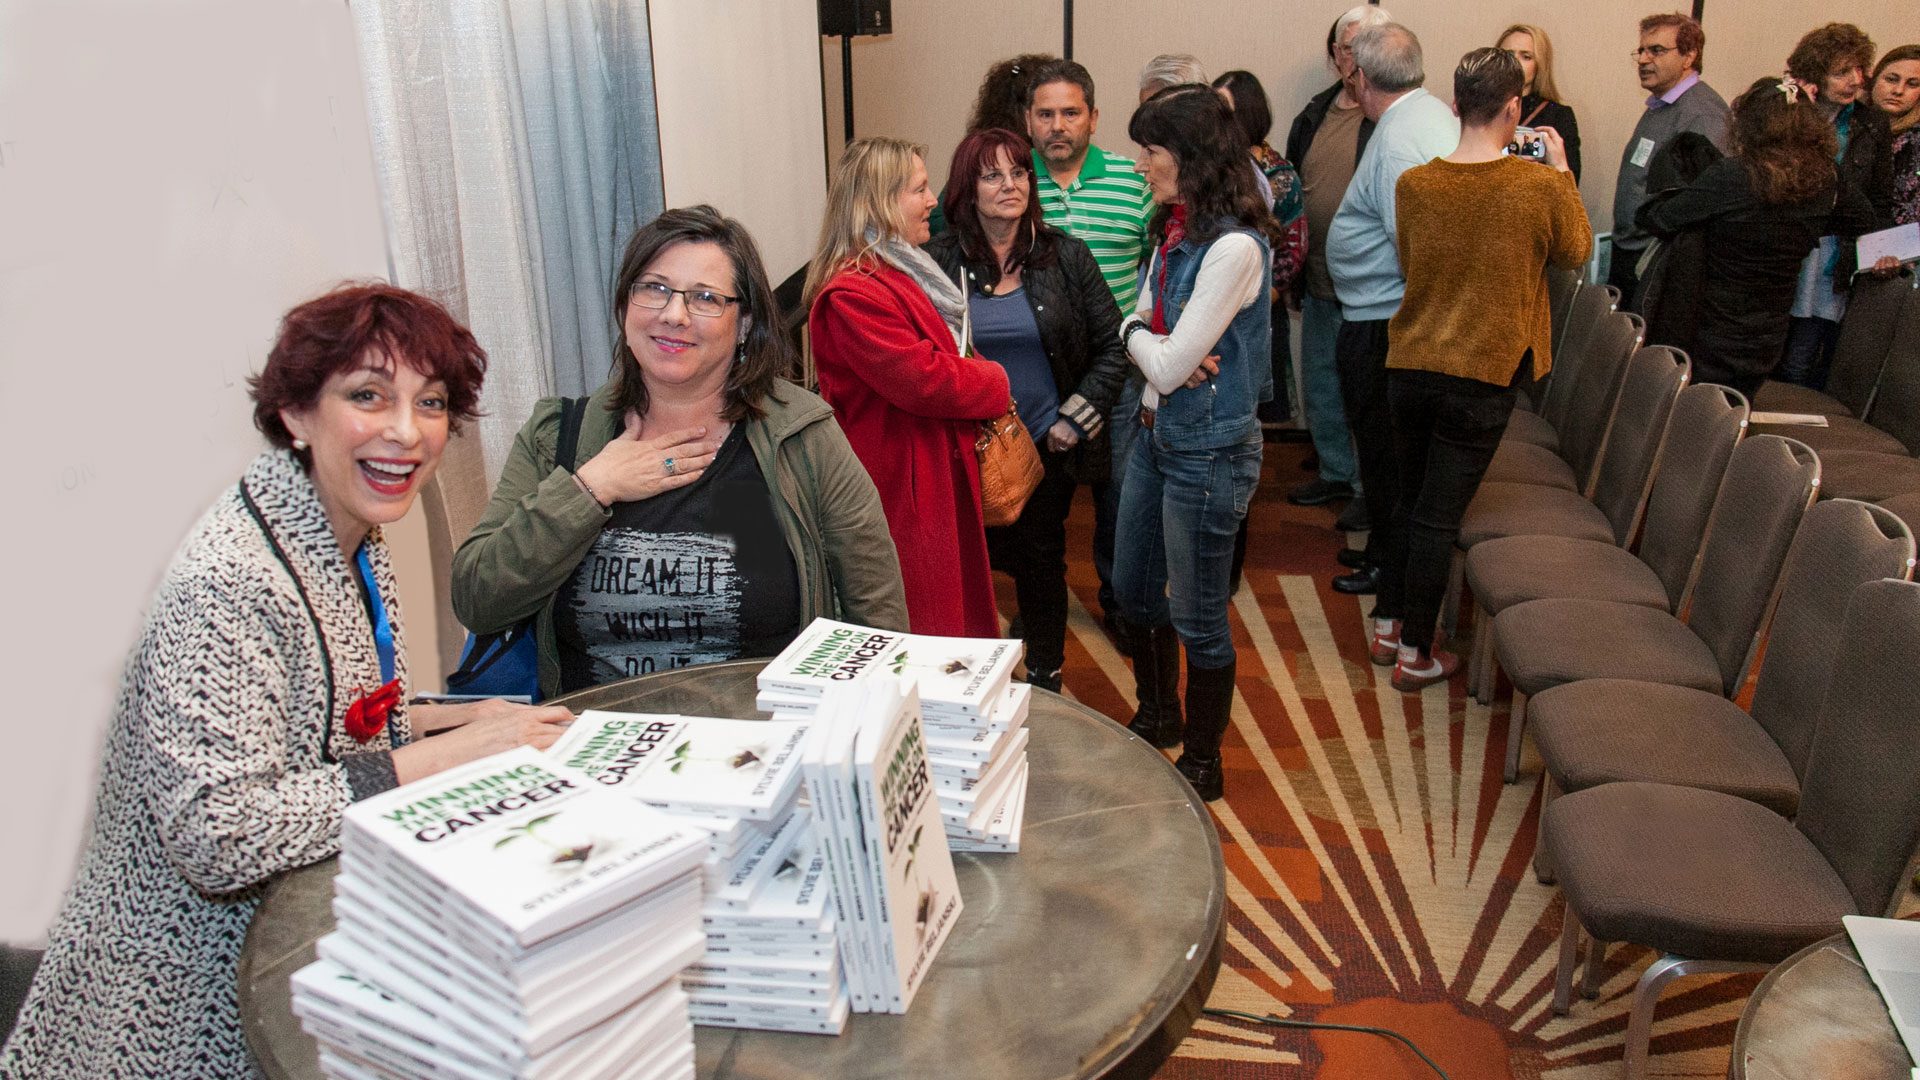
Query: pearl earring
{"x":299,"y":444}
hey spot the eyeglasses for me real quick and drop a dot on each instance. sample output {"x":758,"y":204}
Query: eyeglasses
{"x":1651,"y":52}
{"x":1018,"y":174}
{"x":703,"y":302}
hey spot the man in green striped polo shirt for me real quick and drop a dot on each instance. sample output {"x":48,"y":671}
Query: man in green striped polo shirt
{"x":1095,"y":196}
{"x":1084,"y":190}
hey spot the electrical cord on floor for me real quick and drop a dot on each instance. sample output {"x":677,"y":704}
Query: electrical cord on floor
{"x":1315,"y":1025}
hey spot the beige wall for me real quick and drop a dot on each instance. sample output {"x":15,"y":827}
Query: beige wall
{"x":919,"y":81}
{"x":759,"y":92}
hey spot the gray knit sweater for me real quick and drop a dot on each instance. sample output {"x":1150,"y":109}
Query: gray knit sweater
{"x":1700,"y":109}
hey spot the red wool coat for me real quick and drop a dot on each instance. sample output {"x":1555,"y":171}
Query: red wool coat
{"x":911,"y":407}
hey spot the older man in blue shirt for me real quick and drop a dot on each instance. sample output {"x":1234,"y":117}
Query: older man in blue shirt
{"x":1411,"y":127}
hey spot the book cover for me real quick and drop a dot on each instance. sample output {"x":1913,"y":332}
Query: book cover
{"x":526,"y":843}
{"x":959,"y":677}
{"x":918,"y":898}
{"x":828,"y":653}
{"x":734,"y":768}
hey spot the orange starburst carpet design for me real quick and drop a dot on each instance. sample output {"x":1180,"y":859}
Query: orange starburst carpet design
{"x":1377,"y":867}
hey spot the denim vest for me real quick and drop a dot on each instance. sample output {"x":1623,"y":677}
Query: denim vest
{"x":1220,"y":412}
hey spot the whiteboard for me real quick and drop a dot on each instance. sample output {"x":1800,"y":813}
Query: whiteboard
{"x":173,"y":177}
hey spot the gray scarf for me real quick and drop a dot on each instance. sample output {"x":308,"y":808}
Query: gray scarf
{"x":947,"y":298}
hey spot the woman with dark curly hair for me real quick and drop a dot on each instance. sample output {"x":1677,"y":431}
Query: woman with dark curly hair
{"x":1199,"y":335}
{"x":1001,"y":102}
{"x":1832,"y":63}
{"x":1762,"y":210}
{"x":716,"y":508}
{"x":267,"y":692}
{"x":1251,"y":112}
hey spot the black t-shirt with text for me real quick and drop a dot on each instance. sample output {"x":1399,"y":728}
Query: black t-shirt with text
{"x":691,"y":576}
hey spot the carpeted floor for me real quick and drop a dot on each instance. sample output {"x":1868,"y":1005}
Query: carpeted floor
{"x":1377,"y":868}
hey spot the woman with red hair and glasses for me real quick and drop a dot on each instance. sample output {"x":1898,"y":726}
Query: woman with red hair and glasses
{"x":267,"y":691}
{"x":1041,"y":310}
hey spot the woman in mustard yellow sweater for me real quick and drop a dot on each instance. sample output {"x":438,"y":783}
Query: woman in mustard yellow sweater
{"x":1476,"y":231}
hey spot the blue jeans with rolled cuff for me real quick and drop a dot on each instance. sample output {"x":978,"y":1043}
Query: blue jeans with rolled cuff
{"x":1179,"y":511}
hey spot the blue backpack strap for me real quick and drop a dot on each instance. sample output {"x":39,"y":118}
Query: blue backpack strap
{"x":513,"y":649}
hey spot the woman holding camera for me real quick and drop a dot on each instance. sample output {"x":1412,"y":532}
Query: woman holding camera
{"x":1540,"y":104}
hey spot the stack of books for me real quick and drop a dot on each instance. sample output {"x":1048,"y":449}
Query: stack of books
{"x":508,"y":919}
{"x":894,"y":891}
{"x":770,"y":959}
{"x":974,"y":715}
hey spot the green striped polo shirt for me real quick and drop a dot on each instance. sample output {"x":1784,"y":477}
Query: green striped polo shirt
{"x":1108,"y":208}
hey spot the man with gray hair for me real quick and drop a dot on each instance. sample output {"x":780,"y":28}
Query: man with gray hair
{"x":1170,"y":69}
{"x":1411,"y":127}
{"x":1325,"y":144}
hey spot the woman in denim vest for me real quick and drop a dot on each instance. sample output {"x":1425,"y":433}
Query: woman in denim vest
{"x":1201,"y":336}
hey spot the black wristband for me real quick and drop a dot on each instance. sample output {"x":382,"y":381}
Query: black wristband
{"x":1126,"y":336}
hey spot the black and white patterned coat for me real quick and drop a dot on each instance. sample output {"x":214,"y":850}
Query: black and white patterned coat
{"x":222,"y":768}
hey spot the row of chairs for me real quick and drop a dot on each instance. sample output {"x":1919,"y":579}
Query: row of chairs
{"x":1635,"y":557}
{"x":1871,"y":407}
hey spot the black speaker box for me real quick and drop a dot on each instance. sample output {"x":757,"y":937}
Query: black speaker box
{"x":840,"y":18}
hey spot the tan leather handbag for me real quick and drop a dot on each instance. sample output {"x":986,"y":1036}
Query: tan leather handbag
{"x":1009,"y":468}
{"x":1009,"y":463}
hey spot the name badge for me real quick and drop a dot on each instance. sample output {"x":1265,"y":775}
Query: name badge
{"x":1642,"y":152}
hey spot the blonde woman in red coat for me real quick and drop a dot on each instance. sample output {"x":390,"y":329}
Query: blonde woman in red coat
{"x":885,"y":327}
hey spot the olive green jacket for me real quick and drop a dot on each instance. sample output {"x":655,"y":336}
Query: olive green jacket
{"x":539,"y":524}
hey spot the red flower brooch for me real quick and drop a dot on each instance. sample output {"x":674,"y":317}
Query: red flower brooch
{"x":368,"y":714}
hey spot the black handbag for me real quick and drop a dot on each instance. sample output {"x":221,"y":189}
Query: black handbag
{"x":506,"y":663}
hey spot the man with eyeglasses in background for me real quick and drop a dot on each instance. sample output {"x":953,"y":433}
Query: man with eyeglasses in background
{"x":1668,"y":60}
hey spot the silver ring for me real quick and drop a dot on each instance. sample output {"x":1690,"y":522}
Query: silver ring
{"x":669,"y":465}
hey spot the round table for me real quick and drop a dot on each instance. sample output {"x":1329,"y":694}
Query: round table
{"x":1818,"y":1014}
{"x":1088,"y":953}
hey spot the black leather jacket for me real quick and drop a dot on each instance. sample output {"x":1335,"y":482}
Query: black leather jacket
{"x":1080,"y":331}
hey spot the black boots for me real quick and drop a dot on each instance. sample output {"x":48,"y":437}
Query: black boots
{"x":1209,"y":711}
{"x":1156,"y":675}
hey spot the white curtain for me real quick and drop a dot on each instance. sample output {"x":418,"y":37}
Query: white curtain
{"x":517,"y":150}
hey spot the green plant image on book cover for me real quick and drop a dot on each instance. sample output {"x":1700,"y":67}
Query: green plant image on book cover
{"x":563,"y":853}
{"x":745,"y":759}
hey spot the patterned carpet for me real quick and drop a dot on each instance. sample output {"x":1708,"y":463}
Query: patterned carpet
{"x":1377,"y":868}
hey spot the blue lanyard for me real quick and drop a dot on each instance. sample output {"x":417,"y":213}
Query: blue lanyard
{"x":382,"y":628}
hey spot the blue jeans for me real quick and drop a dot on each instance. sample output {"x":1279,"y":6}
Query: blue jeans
{"x":1179,"y":512}
{"x":1808,"y":355}
{"x":1320,"y":391}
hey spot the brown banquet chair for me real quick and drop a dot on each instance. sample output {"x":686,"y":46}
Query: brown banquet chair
{"x":1716,"y":883}
{"x":1769,"y":484}
{"x":1602,"y":731}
